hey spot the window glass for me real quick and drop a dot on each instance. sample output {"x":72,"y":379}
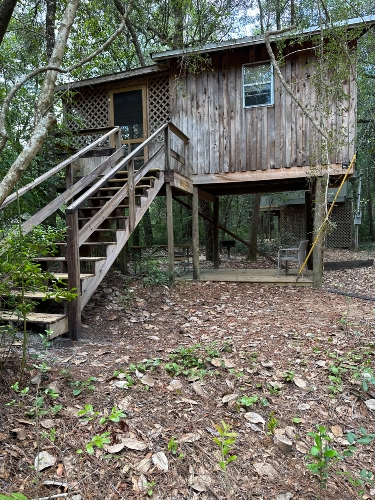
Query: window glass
{"x":258,"y":85}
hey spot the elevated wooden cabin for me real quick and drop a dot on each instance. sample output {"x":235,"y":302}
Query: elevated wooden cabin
{"x":229,"y":128}
{"x":245,"y":132}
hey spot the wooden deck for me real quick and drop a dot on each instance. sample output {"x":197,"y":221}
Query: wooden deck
{"x":263,"y":276}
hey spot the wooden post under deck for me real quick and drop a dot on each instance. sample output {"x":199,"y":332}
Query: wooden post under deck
{"x":195,"y":231}
{"x":216,"y":233}
{"x":319,"y":188}
{"x":168,"y":192}
{"x":309,"y":207}
{"x":72,"y":258}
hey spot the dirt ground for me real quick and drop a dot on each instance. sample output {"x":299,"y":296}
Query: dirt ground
{"x":270,"y":362}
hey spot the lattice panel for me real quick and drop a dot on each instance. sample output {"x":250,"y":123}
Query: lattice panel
{"x":341,"y":237}
{"x":91,"y":107}
{"x":292,"y":224}
{"x":159,"y":103}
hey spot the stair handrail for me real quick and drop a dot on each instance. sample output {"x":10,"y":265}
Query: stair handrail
{"x":127,"y":189}
{"x":56,"y":169}
{"x":111,"y":173}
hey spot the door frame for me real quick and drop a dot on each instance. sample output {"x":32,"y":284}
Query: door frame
{"x":144,"y":113}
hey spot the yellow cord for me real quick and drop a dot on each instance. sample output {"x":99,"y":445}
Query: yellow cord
{"x":326,"y":218}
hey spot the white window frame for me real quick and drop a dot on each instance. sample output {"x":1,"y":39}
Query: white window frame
{"x":258,"y":63}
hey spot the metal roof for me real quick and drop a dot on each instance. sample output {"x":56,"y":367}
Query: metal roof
{"x":113,"y":77}
{"x":253,"y":40}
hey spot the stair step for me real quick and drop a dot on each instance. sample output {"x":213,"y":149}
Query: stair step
{"x":58,"y":323}
{"x":122,"y":172}
{"x":91,"y":243}
{"x":117,"y":188}
{"x":125,"y":179}
{"x":107,"y":218}
{"x":102,"y":206}
{"x":63,"y":259}
{"x":64,"y":276}
{"x":33,"y":295}
{"x":109,"y":197}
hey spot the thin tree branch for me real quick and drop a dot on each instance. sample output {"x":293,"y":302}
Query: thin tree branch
{"x":43,"y":69}
{"x":287,"y":87}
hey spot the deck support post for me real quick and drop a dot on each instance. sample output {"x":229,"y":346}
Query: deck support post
{"x":320,"y":209}
{"x":195,"y":233}
{"x":72,"y":259}
{"x":216,"y":232}
{"x":309,"y":207}
{"x":168,"y":193}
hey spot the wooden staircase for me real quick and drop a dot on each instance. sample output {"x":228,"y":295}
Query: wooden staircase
{"x":102,"y":210}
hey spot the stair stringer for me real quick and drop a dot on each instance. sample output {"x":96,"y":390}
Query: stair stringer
{"x":122,"y":235}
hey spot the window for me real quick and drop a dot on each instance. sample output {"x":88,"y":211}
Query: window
{"x":257,"y":85}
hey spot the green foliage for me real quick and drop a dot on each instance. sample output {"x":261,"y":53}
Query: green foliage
{"x":80,"y":386}
{"x":289,"y":375}
{"x":247,"y":401}
{"x":173,"y":446}
{"x":272,"y":423}
{"x":13,"y":496}
{"x":152,"y":275}
{"x":96,"y":442}
{"x":321,"y":455}
{"x":115,"y":416}
{"x":225,"y":442}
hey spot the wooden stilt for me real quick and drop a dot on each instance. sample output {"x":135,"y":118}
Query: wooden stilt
{"x":320,"y":209}
{"x":216,"y":232}
{"x":72,"y":258}
{"x":309,"y":207}
{"x":168,"y":192}
{"x":195,"y":232}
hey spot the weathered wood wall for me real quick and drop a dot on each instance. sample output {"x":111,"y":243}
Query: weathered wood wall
{"x":225,"y":137}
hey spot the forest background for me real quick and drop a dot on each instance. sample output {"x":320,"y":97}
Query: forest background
{"x":121,"y":36}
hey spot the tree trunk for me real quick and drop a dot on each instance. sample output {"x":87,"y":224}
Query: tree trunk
{"x":6,"y":11}
{"x":208,"y":230}
{"x":370,"y":209}
{"x":44,"y":118}
{"x":320,"y":209}
{"x":50,"y":26}
{"x":254,"y":226}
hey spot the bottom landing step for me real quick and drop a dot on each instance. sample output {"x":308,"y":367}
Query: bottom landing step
{"x":58,"y":323}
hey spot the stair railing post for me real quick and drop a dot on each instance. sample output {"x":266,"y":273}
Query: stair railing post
{"x":131,"y":196}
{"x":167,"y":149}
{"x":72,"y":259}
{"x":118,"y":139}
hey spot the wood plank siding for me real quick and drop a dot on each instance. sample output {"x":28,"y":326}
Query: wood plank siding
{"x":226,"y":137}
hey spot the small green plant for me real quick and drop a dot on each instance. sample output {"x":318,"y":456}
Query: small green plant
{"x":264,"y":402}
{"x":51,"y":435}
{"x":13,"y":496}
{"x":274,"y":389}
{"x":247,"y":401}
{"x":115,"y":416}
{"x":321,"y":455}
{"x":88,"y":413}
{"x":225,"y":442}
{"x":272,"y":423}
{"x":296,"y":420}
{"x":80,"y":386}
{"x":96,"y":441}
{"x":173,"y":446}
{"x":289,"y":375}
{"x":150,"y":488}
{"x":335,"y":384}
